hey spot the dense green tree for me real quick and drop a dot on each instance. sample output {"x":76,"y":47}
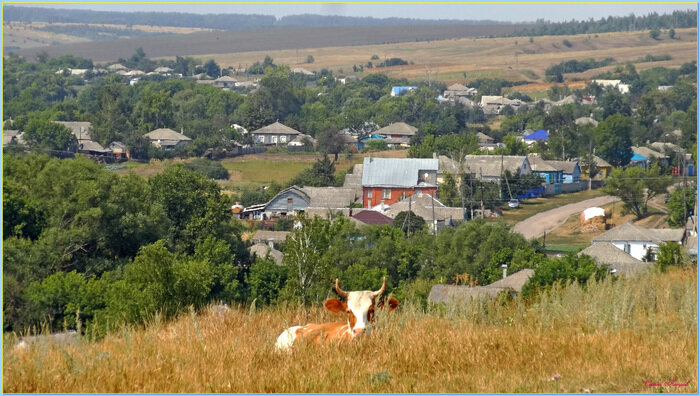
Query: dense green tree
{"x":409,"y":222}
{"x":569,"y":268}
{"x":613,"y":140}
{"x":636,"y":186}
{"x":49,"y":135}
{"x":680,"y":204}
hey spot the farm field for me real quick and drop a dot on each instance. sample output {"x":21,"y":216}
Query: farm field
{"x":468,"y":59}
{"x":221,"y":42}
{"x":609,"y":337}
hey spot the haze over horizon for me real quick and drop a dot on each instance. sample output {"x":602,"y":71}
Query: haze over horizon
{"x":504,"y":12}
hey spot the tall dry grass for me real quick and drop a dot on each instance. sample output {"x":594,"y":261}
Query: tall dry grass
{"x":608,"y":337}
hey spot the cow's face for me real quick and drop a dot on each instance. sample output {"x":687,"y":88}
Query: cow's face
{"x":359,"y":307}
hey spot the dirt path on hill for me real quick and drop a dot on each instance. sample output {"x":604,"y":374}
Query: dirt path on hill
{"x":535,"y":226}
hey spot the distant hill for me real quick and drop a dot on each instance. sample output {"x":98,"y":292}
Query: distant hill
{"x":211,"y":21}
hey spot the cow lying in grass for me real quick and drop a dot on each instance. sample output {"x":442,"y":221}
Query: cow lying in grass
{"x":359,"y":308}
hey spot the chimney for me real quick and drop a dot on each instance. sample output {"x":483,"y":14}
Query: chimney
{"x":435,"y":155}
{"x":270,"y":244}
{"x":182,"y":130}
{"x":505,"y":270}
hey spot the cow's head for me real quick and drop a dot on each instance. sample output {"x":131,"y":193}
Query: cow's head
{"x":359,"y":307}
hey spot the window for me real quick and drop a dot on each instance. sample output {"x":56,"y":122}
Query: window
{"x":369,"y":193}
{"x":274,"y":139}
{"x":283,"y":139}
{"x":386,"y":193}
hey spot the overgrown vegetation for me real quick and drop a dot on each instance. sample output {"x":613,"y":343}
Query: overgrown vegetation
{"x":569,"y":339}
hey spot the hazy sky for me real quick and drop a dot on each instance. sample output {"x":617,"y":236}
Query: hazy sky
{"x":514,"y":12}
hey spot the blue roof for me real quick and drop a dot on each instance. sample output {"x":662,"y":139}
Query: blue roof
{"x":637,"y":157}
{"x":398,"y":90}
{"x":539,"y":134}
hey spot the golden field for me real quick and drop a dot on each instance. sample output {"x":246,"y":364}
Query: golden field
{"x":607,"y":337}
{"x":451,"y":60}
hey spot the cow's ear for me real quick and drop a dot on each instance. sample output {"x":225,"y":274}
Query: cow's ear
{"x":334,"y":305}
{"x":393,"y":303}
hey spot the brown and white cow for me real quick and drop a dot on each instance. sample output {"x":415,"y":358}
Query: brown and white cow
{"x":359,"y":308}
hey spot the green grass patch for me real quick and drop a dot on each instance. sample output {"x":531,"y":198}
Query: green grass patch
{"x":264,"y":171}
{"x":563,"y":248}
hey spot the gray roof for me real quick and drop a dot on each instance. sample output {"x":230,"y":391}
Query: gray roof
{"x":261,"y":250}
{"x":274,"y":236}
{"x":632,"y":232}
{"x":586,"y":121}
{"x":166,"y":134}
{"x":605,"y":253}
{"x":448,"y":165}
{"x":81,"y":130}
{"x":396,"y":172}
{"x":490,"y":165}
{"x":397,"y":128}
{"x":564,"y":166}
{"x":484,"y":138}
{"x":276,"y":129}
{"x":118,"y":146}
{"x":330,"y":197}
{"x":422,"y":205}
{"x":456,"y":294}
{"x":226,"y":79}
{"x":457,"y":87}
{"x":89,"y":145}
{"x":647,"y":152}
{"x":601,"y":163}
{"x":662,"y":147}
{"x":515,"y":281}
{"x":539,"y":165}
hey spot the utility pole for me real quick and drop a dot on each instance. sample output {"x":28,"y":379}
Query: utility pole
{"x":481,"y":184}
{"x":434,"y":222}
{"x":409,"y":214}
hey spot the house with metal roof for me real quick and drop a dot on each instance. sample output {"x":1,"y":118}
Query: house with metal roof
{"x":371,"y":217}
{"x":275,"y":133}
{"x":643,"y":155}
{"x":295,"y":199}
{"x":434,"y":212}
{"x":388,"y":180}
{"x":636,"y":241}
{"x":539,"y":135}
{"x":166,"y":138}
{"x":456,"y":91}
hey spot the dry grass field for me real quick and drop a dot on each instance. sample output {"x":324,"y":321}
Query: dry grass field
{"x":609,"y":337}
{"x":471,"y":58}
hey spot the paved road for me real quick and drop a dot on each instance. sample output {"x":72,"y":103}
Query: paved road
{"x":535,"y":226}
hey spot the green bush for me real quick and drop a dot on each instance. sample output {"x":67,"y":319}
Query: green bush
{"x":210,"y":169}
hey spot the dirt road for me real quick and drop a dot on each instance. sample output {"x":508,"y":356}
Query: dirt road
{"x":535,"y":226}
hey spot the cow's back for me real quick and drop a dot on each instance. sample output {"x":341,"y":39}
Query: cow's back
{"x":316,"y":333}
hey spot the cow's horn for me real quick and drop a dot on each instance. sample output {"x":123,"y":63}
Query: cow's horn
{"x":340,"y":291}
{"x":381,"y":290}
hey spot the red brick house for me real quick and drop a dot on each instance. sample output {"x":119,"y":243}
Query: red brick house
{"x":389,"y":180}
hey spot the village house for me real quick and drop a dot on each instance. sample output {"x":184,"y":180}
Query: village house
{"x":265,"y":251}
{"x":642,"y":156}
{"x":570,"y":170}
{"x":456,"y":91}
{"x":295,"y":199}
{"x":397,"y":130}
{"x":491,"y":167}
{"x":604,"y":169}
{"x":494,"y":104}
{"x":434,"y":212}
{"x":225,"y":82}
{"x":388,"y":180}
{"x":95,"y":150}
{"x":396,"y":91}
{"x":620,"y":262}
{"x":10,"y":136}
{"x":166,"y":138}
{"x":539,"y":135}
{"x":623,"y":88}
{"x":119,"y":150}
{"x":81,"y":130}
{"x":544,"y":169}
{"x":636,"y":241}
{"x":163,"y":70}
{"x":586,"y":121}
{"x":453,"y":294}
{"x":275,"y":133}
